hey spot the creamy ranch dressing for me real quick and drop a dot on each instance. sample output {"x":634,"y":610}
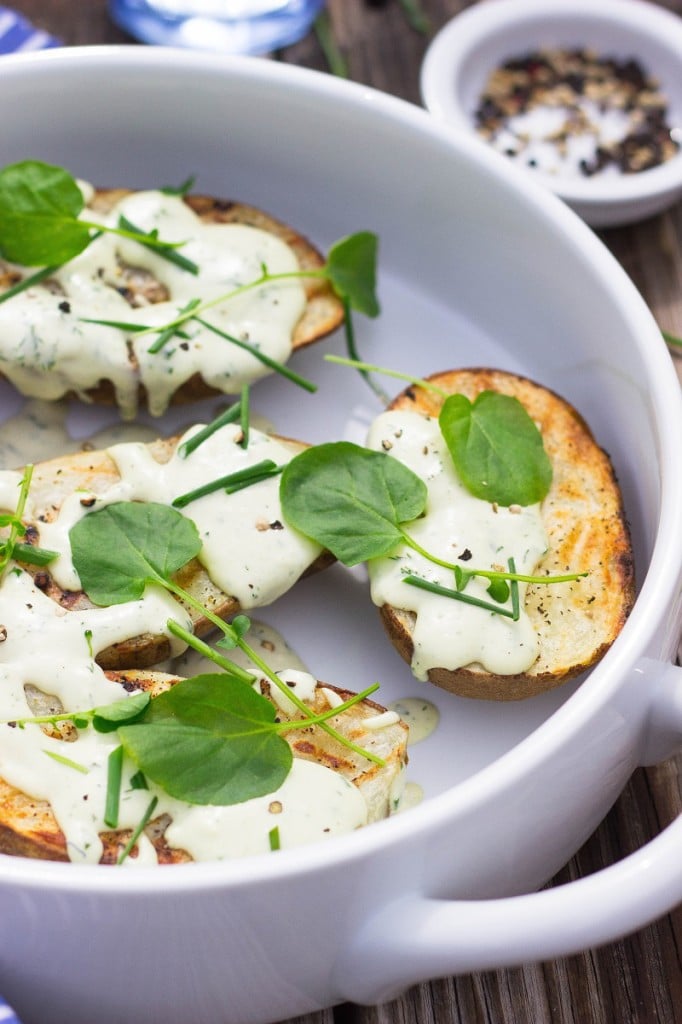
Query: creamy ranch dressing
{"x":313,"y":802}
{"x":46,"y":349}
{"x":248,"y":549}
{"x":449,"y":634}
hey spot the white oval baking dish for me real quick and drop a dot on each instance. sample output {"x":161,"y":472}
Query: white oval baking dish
{"x":477,"y":267}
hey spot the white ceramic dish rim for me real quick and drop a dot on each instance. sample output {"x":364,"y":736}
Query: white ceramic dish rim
{"x":658,"y":590}
{"x":460,"y":38}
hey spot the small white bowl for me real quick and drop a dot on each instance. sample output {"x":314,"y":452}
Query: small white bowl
{"x":463,"y":54}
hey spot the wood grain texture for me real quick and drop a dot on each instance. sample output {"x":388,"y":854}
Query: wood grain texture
{"x":639,"y":979}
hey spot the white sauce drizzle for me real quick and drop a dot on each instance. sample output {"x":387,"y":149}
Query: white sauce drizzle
{"x":449,"y":634}
{"x":420,"y":716}
{"x":47,"y":350}
{"x":313,"y":803}
{"x":264,"y":556}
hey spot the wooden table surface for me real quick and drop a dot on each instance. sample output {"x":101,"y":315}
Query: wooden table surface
{"x":639,"y":979}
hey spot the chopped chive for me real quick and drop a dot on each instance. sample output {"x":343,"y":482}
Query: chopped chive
{"x":295,"y":378}
{"x":113,"y":797}
{"x":121,"y":325}
{"x":514,"y":585}
{"x":138,"y":830}
{"x":179,"y":190}
{"x":28,"y":282}
{"x":33,"y":555}
{"x":244,"y":416}
{"x":170,"y":332}
{"x":273,"y":837}
{"x":232,"y":482}
{"x":162,"y":249}
{"x":457,"y":595}
{"x":354,"y":356}
{"x":229,"y":416}
{"x":67,"y":761}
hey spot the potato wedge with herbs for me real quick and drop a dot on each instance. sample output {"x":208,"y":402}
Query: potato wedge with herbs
{"x":571,"y":623}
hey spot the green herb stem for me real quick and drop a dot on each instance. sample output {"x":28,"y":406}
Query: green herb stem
{"x":138,"y":830}
{"x":113,"y":795}
{"x":171,"y":329}
{"x":28,"y":282}
{"x":354,"y":360}
{"x":364,"y":367}
{"x":244,"y":416}
{"x":60,"y":759}
{"x":489,"y":574}
{"x":231,"y":415}
{"x":262,"y":357}
{"x":206,"y":651}
{"x":232,"y":482}
{"x":457,"y":595}
{"x":166,"y":251}
{"x":33,"y":555}
{"x":273,"y":838}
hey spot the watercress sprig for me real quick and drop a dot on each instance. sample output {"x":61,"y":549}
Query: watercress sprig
{"x":40,"y":223}
{"x":122,"y":548}
{"x":11,"y":547}
{"x":206,"y":740}
{"x":350,"y":270}
{"x":355,"y":501}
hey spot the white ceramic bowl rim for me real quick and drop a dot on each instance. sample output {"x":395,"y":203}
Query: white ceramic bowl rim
{"x":636,"y":19}
{"x":657,"y":590}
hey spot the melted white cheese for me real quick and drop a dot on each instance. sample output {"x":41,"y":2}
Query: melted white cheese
{"x":449,"y":634}
{"x":47,"y":349}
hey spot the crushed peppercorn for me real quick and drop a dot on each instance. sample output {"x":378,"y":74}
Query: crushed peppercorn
{"x":574,"y":112}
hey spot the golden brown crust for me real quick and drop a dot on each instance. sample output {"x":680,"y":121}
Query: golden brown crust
{"x":588,"y":532}
{"x":55,"y":480}
{"x":28,"y":827}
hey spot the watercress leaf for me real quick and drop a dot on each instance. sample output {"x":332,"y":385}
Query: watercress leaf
{"x":350,"y":499}
{"x":210,"y":740}
{"x":351,"y":268}
{"x":498,"y":590}
{"x":108,"y":717}
{"x":39,"y":208}
{"x":462,"y":577}
{"x":241,"y":624}
{"x":496,"y":448}
{"x":120,"y":548}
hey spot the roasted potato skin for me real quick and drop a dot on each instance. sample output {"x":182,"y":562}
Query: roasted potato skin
{"x":588,"y":532}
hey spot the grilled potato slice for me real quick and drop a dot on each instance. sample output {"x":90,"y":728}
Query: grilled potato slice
{"x":585,"y":523}
{"x":95,"y":471}
{"x":28,"y":827}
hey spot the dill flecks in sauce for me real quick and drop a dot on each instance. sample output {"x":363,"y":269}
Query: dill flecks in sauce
{"x":574,"y":112}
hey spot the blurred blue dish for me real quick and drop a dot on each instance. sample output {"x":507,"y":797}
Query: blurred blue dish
{"x":231,"y":26}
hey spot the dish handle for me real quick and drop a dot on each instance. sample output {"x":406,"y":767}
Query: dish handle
{"x":416,"y":937}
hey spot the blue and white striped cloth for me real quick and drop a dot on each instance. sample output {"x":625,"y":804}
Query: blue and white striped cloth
{"x":18,"y":34}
